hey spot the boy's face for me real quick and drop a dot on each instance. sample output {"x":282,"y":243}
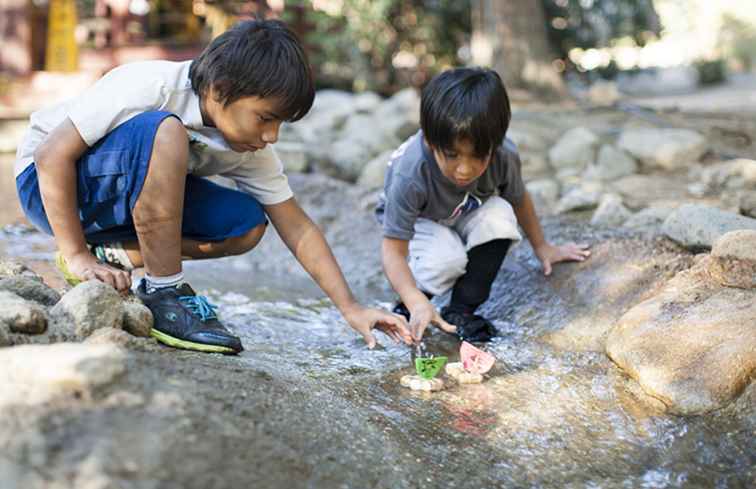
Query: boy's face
{"x":247,"y":124}
{"x":460,"y":165}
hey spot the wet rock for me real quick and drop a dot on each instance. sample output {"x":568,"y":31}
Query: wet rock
{"x":598,"y":291}
{"x":375,"y":171}
{"x":545,"y":193}
{"x":33,"y":374}
{"x":611,"y":163}
{"x":21,"y":316}
{"x":89,"y":306}
{"x":574,"y":151}
{"x":583,"y":197}
{"x":610,"y":212}
{"x":697,"y":226}
{"x":669,"y":149}
{"x":31,"y":289}
{"x":417,"y":383}
{"x":692,"y":345}
{"x":137,"y":319}
{"x":456,"y":371}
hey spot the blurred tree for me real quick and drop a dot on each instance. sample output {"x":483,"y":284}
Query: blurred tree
{"x":511,"y":37}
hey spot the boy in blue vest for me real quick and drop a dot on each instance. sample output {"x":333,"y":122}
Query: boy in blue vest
{"x":453,"y":197}
{"x":116,"y":175}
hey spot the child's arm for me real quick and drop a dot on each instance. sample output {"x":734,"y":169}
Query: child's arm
{"x":422,"y":313}
{"x":547,"y":253}
{"x":55,"y":161}
{"x":310,"y":248}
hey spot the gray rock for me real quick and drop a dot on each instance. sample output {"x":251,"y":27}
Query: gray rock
{"x":21,"y":316}
{"x":603,"y":93}
{"x":545,"y":193}
{"x":30,"y":289}
{"x":366,"y":101}
{"x":375,"y":171}
{"x":535,"y":165}
{"x":526,"y":140}
{"x":10,"y":268}
{"x":580,"y":198}
{"x":639,"y":191}
{"x":697,"y":226}
{"x":728,"y":175}
{"x":649,"y":219}
{"x":669,"y":149}
{"x":137,"y":319}
{"x":612,"y":163}
{"x":575,"y":150}
{"x":89,"y":306}
{"x":398,"y":117}
{"x":692,"y":345}
{"x":35,"y":374}
{"x":293,"y":156}
{"x":610,"y":212}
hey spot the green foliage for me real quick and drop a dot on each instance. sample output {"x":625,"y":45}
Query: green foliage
{"x":382,"y":45}
{"x":595,"y":23}
{"x":711,"y":72}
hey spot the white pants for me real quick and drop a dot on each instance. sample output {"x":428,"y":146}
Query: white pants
{"x":438,"y":253}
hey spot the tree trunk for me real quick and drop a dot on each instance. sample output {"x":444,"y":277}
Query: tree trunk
{"x":510,"y":36}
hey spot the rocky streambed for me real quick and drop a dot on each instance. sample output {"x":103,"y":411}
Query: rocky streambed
{"x":632,"y":369}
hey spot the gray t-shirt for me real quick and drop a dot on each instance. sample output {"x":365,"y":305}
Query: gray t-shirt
{"x":414,"y":188}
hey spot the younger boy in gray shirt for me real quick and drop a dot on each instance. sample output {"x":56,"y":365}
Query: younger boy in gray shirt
{"x":453,"y":197}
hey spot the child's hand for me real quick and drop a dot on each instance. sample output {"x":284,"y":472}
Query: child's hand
{"x":549,"y":254}
{"x":364,"y":319}
{"x":424,"y":314}
{"x":86,"y":267}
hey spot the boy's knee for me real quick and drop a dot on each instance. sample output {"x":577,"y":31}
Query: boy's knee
{"x":171,"y":140}
{"x":242,"y":244}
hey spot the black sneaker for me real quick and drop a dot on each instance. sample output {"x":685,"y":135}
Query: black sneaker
{"x":185,"y":320}
{"x":470,"y":327}
{"x":401,"y":309}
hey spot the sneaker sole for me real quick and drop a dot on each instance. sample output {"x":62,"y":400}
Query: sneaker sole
{"x":189,"y":345}
{"x":62,"y":266}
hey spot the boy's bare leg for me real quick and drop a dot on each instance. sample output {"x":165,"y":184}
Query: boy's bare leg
{"x":159,"y":209}
{"x":198,"y":250}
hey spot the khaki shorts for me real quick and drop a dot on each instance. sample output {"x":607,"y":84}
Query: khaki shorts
{"x":438,"y":253}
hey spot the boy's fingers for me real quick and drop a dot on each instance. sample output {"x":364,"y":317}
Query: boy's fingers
{"x":546,"y":268}
{"x":369,"y":339}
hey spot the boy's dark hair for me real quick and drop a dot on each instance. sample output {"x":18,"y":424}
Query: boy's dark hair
{"x":261,"y":58}
{"x":465,"y":103}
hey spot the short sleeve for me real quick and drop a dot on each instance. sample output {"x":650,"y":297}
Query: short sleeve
{"x":404,"y":202}
{"x":513,"y":188}
{"x":115,"y":98}
{"x":261,"y":175}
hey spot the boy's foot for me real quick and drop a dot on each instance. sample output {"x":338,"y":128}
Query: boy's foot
{"x":185,"y":320}
{"x":470,"y":327}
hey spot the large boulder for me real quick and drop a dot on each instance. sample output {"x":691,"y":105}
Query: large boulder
{"x":18,"y":315}
{"x":728,"y":176}
{"x":734,"y":259}
{"x":580,"y":198}
{"x":545,"y":194}
{"x":575,"y":150}
{"x":692,"y":345}
{"x":696,"y":226}
{"x":398,"y":117}
{"x":357,"y":144}
{"x":650,"y":219}
{"x":31,"y":289}
{"x":87,"y":307}
{"x":639,"y":191}
{"x":669,"y":149}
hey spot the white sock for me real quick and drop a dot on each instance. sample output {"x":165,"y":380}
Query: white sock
{"x":113,"y":253}
{"x":154,"y":283}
